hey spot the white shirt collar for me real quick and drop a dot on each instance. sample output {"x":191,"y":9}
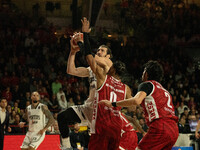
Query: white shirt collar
{"x":1,"y":109}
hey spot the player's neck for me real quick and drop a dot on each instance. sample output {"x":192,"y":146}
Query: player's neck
{"x":34,"y":105}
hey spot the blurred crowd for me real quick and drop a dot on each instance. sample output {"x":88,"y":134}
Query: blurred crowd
{"x":33,"y":58}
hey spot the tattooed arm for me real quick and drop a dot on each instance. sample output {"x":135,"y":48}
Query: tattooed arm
{"x":50,"y":119}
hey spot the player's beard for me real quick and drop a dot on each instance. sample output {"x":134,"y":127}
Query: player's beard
{"x":35,"y":101}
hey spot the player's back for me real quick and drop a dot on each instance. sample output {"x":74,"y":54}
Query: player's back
{"x":108,"y":120}
{"x":158,"y":104}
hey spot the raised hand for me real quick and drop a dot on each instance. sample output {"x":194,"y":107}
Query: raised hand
{"x":78,"y":37}
{"x":85,"y":25}
{"x":73,"y":42}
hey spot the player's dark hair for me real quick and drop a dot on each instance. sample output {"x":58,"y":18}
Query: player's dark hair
{"x":154,"y":70}
{"x":120,"y":67}
{"x":109,"y":51}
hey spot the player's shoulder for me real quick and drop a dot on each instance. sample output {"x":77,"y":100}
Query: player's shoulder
{"x":43,"y":106}
{"x":28,"y":107}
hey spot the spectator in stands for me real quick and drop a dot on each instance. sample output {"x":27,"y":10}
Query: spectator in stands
{"x":33,"y":86}
{"x":143,"y":124}
{"x":16,"y":93}
{"x":79,"y":100}
{"x":8,"y":95}
{"x":183,"y":127}
{"x":59,"y":93}
{"x":55,"y":106}
{"x":53,"y":129}
{"x":70,"y":102}
{"x":15,"y":127}
{"x":25,"y":99}
{"x":43,"y":92}
{"x":185,"y":95}
{"x":9,"y":109}
{"x":186,"y":113}
{"x":181,"y":108}
{"x":77,"y":139}
{"x":45,"y":100}
{"x":191,"y":103}
{"x":56,"y":85}
{"x":62,"y":102}
{"x":52,"y":76}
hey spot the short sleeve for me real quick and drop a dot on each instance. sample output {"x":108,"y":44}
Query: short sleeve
{"x":146,"y":87}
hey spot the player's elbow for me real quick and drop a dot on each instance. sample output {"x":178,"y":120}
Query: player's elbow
{"x":70,"y":72}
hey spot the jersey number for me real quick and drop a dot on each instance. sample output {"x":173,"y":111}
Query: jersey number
{"x":169,"y":100}
{"x":113,"y":97}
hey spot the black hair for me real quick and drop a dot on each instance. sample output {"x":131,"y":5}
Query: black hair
{"x":154,"y":70}
{"x":2,"y":99}
{"x":109,"y":51}
{"x":120,"y":67}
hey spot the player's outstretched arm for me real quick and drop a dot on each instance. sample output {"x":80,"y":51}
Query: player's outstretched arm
{"x":136,"y":100}
{"x":71,"y":68}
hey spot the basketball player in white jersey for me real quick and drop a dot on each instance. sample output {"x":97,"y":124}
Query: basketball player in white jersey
{"x":36,"y":113}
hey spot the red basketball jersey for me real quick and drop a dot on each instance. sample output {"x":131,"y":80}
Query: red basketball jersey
{"x":107,"y":121}
{"x":158,"y":104}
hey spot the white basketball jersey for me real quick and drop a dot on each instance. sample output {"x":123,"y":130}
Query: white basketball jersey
{"x":36,"y":118}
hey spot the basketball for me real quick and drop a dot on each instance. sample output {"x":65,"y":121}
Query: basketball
{"x":77,"y":37}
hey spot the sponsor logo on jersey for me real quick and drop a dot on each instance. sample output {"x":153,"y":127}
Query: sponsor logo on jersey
{"x":34,"y":117}
{"x":151,"y":110}
{"x":114,"y":88}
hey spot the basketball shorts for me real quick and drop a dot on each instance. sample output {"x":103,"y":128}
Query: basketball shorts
{"x":32,"y":139}
{"x":101,"y":142}
{"x":162,"y":135}
{"x":128,"y":141}
{"x":84,"y":113}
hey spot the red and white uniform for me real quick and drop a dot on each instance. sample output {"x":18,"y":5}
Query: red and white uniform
{"x":129,"y":137}
{"x":107,"y":122}
{"x":161,"y":119}
{"x":158,"y":104}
